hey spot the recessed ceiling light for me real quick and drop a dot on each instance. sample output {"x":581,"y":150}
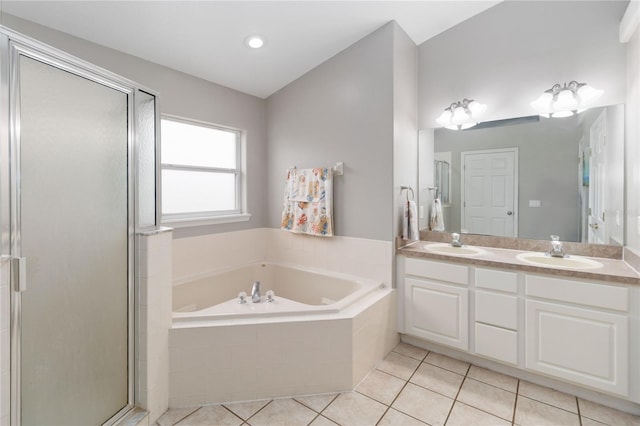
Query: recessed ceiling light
{"x":254,"y":41}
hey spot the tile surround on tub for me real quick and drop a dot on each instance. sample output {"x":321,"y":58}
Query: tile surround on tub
{"x":200,"y":256}
{"x":154,"y":320}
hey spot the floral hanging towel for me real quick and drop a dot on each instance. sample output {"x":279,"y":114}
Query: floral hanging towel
{"x":307,"y":204}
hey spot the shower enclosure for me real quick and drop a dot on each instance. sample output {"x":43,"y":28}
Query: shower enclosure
{"x":71,"y":146}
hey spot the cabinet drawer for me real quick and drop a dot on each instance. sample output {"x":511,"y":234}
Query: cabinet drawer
{"x":497,"y":280}
{"x":457,"y":274}
{"x":582,"y":293}
{"x":497,"y":343}
{"x":497,"y":309}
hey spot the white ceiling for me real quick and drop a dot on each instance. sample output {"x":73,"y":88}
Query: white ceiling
{"x":206,"y":38}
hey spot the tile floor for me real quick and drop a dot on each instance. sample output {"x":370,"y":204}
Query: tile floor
{"x":415,"y":387}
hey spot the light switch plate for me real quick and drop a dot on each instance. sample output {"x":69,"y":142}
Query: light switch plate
{"x":534,"y":203}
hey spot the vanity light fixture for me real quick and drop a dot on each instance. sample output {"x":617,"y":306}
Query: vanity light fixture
{"x":254,"y":41}
{"x":566,"y":100}
{"x":462,"y":114}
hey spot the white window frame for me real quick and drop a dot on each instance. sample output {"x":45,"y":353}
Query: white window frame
{"x":178,"y":220}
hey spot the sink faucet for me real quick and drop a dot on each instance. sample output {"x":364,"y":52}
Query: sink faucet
{"x":455,"y":242}
{"x":556,"y":247}
{"x":255,"y":292}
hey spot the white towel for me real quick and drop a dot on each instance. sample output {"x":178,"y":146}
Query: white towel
{"x":437,"y":221}
{"x":410,"y":221}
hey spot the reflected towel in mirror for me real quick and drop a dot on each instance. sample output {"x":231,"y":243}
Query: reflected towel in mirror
{"x":437,"y":220}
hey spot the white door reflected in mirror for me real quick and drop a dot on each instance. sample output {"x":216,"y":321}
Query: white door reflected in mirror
{"x":490,"y":182}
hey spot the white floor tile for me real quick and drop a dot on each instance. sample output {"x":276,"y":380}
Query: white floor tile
{"x":352,"y":408}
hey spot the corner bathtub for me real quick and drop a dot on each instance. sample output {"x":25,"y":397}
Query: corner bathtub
{"x":324,"y":333}
{"x":298,"y":291}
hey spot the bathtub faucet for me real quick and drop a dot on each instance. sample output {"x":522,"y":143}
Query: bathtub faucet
{"x":255,"y":292}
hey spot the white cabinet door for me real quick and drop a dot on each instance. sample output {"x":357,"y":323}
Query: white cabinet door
{"x":581,"y":345}
{"x":437,"y":312}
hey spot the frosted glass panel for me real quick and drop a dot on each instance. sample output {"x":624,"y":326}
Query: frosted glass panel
{"x":186,"y":191}
{"x":146,"y":146}
{"x":74,"y":234}
{"x":190,"y":145}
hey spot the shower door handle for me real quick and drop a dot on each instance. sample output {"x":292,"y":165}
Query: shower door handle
{"x":19,"y":273}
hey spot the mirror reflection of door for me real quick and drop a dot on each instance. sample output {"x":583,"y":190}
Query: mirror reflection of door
{"x":597,"y":180}
{"x":489,"y":192}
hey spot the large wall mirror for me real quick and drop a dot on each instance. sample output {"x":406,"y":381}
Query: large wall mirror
{"x":518,"y":174}
{"x":529,"y":177}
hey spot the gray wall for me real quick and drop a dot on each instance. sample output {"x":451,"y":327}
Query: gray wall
{"x":341,"y":110}
{"x":547,"y":171}
{"x":185,"y":96}
{"x":509,"y":54}
{"x":405,"y":121}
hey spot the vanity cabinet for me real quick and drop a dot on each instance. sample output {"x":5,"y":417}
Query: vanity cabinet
{"x":578,"y":331}
{"x":438,"y":299}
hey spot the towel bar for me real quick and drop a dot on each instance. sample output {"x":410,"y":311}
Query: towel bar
{"x":408,"y":189}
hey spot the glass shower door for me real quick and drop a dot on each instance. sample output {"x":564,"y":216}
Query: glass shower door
{"x":73,"y":229}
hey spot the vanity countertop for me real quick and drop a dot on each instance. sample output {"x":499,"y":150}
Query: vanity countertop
{"x":612,"y":270}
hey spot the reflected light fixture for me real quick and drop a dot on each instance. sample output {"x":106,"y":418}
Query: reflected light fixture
{"x":567,"y":100}
{"x":462,"y":114}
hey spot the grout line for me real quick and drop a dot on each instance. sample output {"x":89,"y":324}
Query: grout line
{"x":418,"y":359}
{"x":515,"y":403}
{"x":455,"y":399}
{"x":188,"y":415}
{"x":254,"y":414}
{"x":229,"y":410}
{"x":579,"y":415}
{"x":327,"y":406}
{"x":314,"y":419}
{"x":550,"y":405}
{"x":401,"y":390}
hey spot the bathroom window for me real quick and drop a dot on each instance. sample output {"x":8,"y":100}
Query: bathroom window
{"x":201,"y":173}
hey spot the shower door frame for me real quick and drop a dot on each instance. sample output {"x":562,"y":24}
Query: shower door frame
{"x":12,"y":46}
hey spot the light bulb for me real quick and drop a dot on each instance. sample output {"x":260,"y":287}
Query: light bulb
{"x":254,"y":42}
{"x":588,"y":94}
{"x":460,"y":116}
{"x":566,"y":101}
{"x":477,"y":109}
{"x":543,"y":103}
{"x":445,"y":118}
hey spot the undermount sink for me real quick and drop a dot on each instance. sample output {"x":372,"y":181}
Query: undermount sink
{"x":444,"y":248}
{"x":569,"y":262}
